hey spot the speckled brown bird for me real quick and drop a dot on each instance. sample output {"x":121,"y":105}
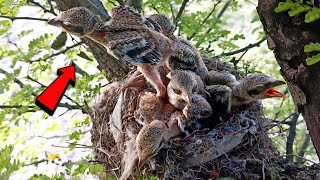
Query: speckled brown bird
{"x":186,"y":55}
{"x":127,"y":35}
{"x":181,"y":87}
{"x":150,"y":140}
{"x":252,"y":88}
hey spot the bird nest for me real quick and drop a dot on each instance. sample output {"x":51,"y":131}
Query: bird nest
{"x":237,"y":146}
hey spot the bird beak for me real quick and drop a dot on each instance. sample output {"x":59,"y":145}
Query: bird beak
{"x":54,"y":22}
{"x":271,"y":92}
{"x":187,"y":98}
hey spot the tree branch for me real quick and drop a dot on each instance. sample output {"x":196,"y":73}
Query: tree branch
{"x":257,"y":44}
{"x":69,"y":98}
{"x":24,"y":18}
{"x":206,"y":18}
{"x":51,"y":10}
{"x":137,"y":4}
{"x":304,"y":146}
{"x":66,"y":105}
{"x":291,"y":137}
{"x":223,"y":10}
{"x":58,"y":53}
{"x":179,"y":14}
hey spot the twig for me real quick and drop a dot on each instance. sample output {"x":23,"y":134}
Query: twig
{"x":121,"y":2}
{"x":58,"y":53}
{"x":222,"y":11}
{"x":268,"y":127}
{"x":304,"y":146}
{"x":301,"y":158}
{"x":205,"y":19}
{"x":179,"y":14}
{"x":42,"y":85}
{"x":51,"y":10}
{"x":263,"y":172}
{"x":291,"y":136}
{"x":172,"y":12}
{"x":257,"y":44}
{"x":72,"y":147}
{"x":24,"y":18}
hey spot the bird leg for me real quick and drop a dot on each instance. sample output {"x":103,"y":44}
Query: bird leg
{"x":152,"y":75}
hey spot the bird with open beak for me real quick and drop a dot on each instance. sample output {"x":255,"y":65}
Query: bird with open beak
{"x":254,"y":87}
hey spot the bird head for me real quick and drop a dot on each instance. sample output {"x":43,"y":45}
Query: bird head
{"x":181,"y":86}
{"x":78,"y":21}
{"x":199,"y":108}
{"x":164,"y":22}
{"x":150,"y":140}
{"x":258,"y":86}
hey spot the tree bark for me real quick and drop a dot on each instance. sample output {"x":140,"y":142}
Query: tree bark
{"x":287,"y":37}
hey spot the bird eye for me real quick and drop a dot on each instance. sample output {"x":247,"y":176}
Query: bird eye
{"x":255,"y":91}
{"x":176,"y":91}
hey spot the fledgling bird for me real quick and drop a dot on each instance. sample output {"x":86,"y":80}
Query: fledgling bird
{"x":150,"y":140}
{"x":181,"y":87}
{"x":186,"y":55}
{"x":127,"y":35}
{"x":252,"y":88}
{"x":196,"y":114}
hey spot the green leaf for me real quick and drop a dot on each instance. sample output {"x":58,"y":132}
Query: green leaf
{"x":312,"y":47}
{"x":312,"y":15}
{"x":84,"y":55}
{"x":284,"y":6}
{"x":60,"y":41}
{"x":313,"y":60}
{"x":298,"y":9}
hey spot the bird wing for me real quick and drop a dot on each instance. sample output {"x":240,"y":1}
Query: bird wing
{"x":153,"y":25}
{"x":135,"y":47}
{"x":183,"y":58}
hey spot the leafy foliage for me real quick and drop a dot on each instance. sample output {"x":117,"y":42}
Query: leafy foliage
{"x":295,"y":8}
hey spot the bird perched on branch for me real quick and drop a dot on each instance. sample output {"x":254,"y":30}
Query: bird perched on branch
{"x":186,"y":56}
{"x":181,"y":87}
{"x":127,"y":35}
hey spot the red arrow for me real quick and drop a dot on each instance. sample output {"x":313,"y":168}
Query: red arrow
{"x":49,"y":99}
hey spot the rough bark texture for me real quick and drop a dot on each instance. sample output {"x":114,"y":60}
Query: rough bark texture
{"x":287,"y":37}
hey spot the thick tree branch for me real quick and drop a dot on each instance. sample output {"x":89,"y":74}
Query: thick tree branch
{"x":23,"y":18}
{"x":257,"y":44}
{"x":291,"y":137}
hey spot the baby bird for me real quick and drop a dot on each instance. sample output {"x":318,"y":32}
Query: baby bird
{"x":186,"y":56}
{"x":150,"y":140}
{"x":254,"y":87}
{"x":181,"y":87}
{"x":127,"y":35}
{"x":234,"y":93}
